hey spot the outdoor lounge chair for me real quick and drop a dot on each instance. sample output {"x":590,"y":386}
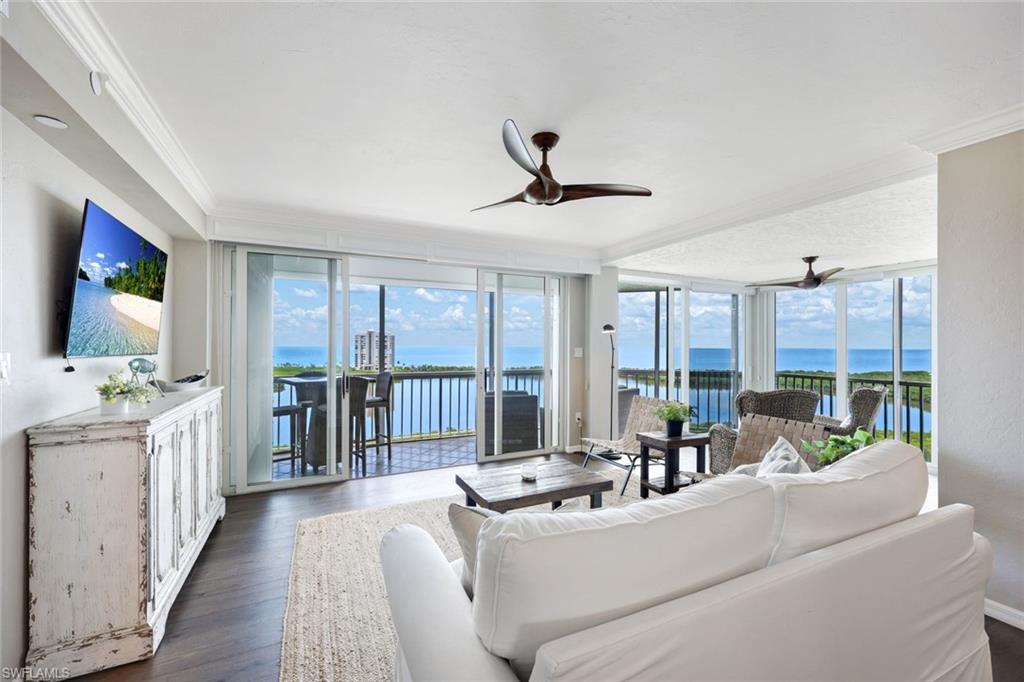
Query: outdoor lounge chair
{"x":865,"y":403}
{"x":787,"y":403}
{"x":641,"y":418}
{"x":729,"y":448}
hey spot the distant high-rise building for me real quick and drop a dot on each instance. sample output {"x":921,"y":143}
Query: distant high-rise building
{"x":367,"y":351}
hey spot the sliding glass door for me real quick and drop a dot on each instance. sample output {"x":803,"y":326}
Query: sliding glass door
{"x":290,"y":368}
{"x":805,"y":343}
{"x":518,"y":340}
{"x":716,"y":357}
{"x":473,"y":361}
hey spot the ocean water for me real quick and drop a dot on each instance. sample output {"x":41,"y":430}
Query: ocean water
{"x":417,"y":402}
{"x":787,"y":359}
{"x":413,"y":356}
{"x":97,"y":328}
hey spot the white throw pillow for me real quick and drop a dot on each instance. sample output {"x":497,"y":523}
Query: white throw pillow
{"x":466,"y":522}
{"x":782,"y":458}
{"x":747,"y":469}
{"x":877,"y":486}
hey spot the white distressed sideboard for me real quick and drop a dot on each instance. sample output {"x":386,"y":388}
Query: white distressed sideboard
{"x":119,"y":509}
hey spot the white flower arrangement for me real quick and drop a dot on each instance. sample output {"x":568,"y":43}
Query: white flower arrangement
{"x":117,"y":386}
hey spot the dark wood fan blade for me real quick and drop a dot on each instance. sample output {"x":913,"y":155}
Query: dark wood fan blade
{"x":573,"y":192}
{"x":795,"y":284}
{"x":511,"y":200}
{"x":517,"y":149}
{"x":828,"y":273}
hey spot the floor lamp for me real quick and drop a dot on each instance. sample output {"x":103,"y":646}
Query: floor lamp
{"x":610,"y":331}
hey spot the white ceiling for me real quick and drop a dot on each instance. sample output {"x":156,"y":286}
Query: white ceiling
{"x":895,"y":223}
{"x":394,"y":111}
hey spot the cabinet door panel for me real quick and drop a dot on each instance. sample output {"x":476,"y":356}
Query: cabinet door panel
{"x":215,"y":453}
{"x":202,"y":467}
{"x":163,"y":505}
{"x":186,"y":481}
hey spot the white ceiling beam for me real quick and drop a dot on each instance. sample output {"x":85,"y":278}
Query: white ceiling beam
{"x":907,"y":164}
{"x":376,"y":237}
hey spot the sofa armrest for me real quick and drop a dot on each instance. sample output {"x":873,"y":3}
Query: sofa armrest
{"x":431,"y":612}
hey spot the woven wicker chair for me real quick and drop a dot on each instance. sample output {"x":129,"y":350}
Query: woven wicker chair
{"x":788,"y":403}
{"x":756,"y":436}
{"x":641,"y":418}
{"x":865,"y":404}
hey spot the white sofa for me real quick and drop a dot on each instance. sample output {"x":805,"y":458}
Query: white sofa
{"x":831,"y":575}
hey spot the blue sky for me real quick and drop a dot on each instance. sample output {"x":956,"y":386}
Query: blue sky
{"x":417,"y":316}
{"x":807,"y":319}
{"x":424,"y":316}
{"x":108,"y":245}
{"x":803,"y":319}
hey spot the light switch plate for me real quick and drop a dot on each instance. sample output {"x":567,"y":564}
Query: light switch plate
{"x":5,"y":368}
{"x":5,"y":8}
{"x":577,"y":352}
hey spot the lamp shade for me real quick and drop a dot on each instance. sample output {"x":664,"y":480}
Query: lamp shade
{"x":608,"y":329}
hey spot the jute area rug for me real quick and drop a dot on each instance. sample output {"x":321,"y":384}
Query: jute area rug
{"x":337,"y":625}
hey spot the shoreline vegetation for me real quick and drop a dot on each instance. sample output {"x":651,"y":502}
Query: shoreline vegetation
{"x":286,"y":369}
{"x":143,"y":277}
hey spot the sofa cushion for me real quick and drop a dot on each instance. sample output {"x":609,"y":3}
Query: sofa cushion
{"x":873,"y":487}
{"x":544,"y":575}
{"x":466,"y":522}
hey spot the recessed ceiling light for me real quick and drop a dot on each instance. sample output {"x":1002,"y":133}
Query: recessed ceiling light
{"x":50,"y":122}
{"x":96,"y":82}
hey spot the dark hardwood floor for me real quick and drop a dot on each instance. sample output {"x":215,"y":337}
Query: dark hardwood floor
{"x":226,"y":624}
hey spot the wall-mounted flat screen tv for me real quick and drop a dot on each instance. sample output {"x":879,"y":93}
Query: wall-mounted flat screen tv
{"x":118,"y":293}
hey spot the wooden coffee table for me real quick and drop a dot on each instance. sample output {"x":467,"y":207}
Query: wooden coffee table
{"x":501,"y":487}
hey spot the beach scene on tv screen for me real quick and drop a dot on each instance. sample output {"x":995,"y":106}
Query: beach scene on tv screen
{"x":118,"y":292}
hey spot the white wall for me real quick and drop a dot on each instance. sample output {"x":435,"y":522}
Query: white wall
{"x":602,"y":308}
{"x":576,"y":303}
{"x":980,"y":316}
{"x":191,"y":335}
{"x":43,"y":196}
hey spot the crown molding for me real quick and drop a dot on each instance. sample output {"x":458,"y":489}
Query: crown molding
{"x":906,"y":164}
{"x":1008,"y":120}
{"x":84,"y":32}
{"x":376,"y":237}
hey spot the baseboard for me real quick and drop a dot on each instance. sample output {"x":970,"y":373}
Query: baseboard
{"x":1004,"y":613}
{"x":575,"y":449}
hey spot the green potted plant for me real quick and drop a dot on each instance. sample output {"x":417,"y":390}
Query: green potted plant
{"x":117,"y":393}
{"x":674,"y":414}
{"x":837,"y":447}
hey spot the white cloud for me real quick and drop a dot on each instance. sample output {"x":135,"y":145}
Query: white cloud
{"x":454,"y":313}
{"x":101,"y":255}
{"x":429,"y":296}
{"x":121,"y":265}
{"x":305,"y":293}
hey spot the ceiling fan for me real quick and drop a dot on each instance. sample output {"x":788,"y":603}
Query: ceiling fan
{"x":810,"y":280}
{"x":545,"y":190}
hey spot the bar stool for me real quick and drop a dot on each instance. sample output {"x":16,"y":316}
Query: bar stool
{"x":357,"y":406}
{"x":381,"y":400}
